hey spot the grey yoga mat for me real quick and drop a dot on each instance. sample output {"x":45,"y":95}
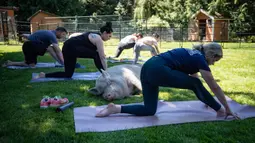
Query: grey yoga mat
{"x":167,"y":113}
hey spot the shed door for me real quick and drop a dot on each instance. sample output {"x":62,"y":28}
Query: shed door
{"x":202,"y":29}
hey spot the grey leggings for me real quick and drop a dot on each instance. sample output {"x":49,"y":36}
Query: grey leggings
{"x":155,"y":73}
{"x":142,"y":47}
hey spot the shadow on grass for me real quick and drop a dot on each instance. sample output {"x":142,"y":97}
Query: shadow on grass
{"x":13,"y":56}
{"x":35,"y":135}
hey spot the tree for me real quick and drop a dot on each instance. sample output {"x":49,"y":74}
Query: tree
{"x":242,"y":13}
{"x":144,"y":9}
{"x":120,"y":10}
{"x":58,"y":7}
{"x":178,"y":11}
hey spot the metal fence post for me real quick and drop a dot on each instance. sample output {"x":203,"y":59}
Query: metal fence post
{"x":120,"y":27}
{"x":75,"y":23}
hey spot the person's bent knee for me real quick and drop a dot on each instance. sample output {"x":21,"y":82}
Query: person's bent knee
{"x":120,"y":48}
{"x":149,"y":112}
{"x":69,"y":75}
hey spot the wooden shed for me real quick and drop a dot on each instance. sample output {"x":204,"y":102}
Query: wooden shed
{"x":206,"y":27}
{"x":7,"y":22}
{"x":10,"y":10}
{"x":38,"y":21}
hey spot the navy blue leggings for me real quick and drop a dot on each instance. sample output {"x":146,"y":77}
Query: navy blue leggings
{"x":155,"y":73}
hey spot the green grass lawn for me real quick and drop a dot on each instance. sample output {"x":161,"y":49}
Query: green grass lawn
{"x":22,"y":120}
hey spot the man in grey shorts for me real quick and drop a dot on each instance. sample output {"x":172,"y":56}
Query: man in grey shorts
{"x":127,"y":42}
{"x":146,"y":44}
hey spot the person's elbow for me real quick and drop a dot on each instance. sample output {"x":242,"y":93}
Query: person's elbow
{"x":215,"y":88}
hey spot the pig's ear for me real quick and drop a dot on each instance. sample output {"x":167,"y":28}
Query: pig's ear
{"x":94,"y":91}
{"x":105,"y":74}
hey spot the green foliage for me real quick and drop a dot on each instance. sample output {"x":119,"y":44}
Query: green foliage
{"x":58,"y":7}
{"x":63,"y":7}
{"x":144,"y":9}
{"x":120,"y":10}
{"x":180,"y":11}
{"x":242,"y":12}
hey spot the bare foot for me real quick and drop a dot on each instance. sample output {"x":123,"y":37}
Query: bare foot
{"x":110,"y":109}
{"x":221,"y":112}
{"x":40,"y":75}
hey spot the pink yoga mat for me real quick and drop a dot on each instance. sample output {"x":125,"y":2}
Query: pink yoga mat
{"x":167,"y":113}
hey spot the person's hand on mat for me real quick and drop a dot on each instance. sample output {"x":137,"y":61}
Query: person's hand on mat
{"x":230,"y":113}
{"x":226,"y":113}
{"x":40,"y":75}
{"x":110,"y":109}
{"x":220,"y":113}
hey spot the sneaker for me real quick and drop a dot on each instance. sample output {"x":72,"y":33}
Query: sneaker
{"x":45,"y":102}
{"x":58,"y":101}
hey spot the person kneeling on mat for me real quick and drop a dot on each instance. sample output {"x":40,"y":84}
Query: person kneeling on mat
{"x":177,"y":68}
{"x":127,"y":42}
{"x":146,"y":44}
{"x":38,"y":44}
{"x":88,"y":45}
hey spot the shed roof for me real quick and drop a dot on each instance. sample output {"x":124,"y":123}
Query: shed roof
{"x":40,"y":11}
{"x":215,"y":15}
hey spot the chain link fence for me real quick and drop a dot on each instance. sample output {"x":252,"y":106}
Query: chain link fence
{"x":178,"y":33}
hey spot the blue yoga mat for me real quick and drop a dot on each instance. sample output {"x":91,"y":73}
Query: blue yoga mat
{"x":76,"y":76}
{"x":44,"y":65}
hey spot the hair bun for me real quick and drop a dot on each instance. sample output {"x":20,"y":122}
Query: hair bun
{"x":108,"y":24}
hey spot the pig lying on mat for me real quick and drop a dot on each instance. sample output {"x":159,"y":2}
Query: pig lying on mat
{"x":118,"y":82}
